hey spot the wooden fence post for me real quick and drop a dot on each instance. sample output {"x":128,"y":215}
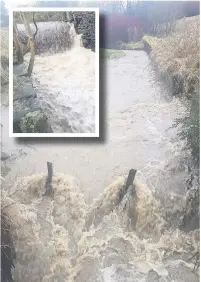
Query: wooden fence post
{"x":48,"y":184}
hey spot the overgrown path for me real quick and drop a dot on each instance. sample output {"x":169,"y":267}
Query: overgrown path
{"x":138,"y":110}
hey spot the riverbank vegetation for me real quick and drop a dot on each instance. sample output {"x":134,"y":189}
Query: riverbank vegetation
{"x":177,"y":60}
{"x":139,"y":45}
{"x":179,"y":51}
{"x":107,"y":54}
{"x":135,"y":45}
{"x":190,"y":129}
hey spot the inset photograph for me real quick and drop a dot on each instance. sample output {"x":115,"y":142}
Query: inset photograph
{"x":54,"y":72}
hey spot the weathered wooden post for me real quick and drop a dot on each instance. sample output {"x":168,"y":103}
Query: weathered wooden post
{"x":131,"y":177}
{"x":129,"y":182}
{"x":130,"y":192}
{"x":48,"y":184}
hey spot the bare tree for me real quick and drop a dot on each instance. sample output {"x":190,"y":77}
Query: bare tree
{"x":30,"y":42}
{"x":21,"y":47}
{"x":110,"y":6}
{"x":162,"y":16}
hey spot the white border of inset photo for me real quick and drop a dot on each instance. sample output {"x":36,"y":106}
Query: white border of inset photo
{"x":11,"y":133}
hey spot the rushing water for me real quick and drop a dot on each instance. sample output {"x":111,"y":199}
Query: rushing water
{"x":64,"y":78}
{"x":64,"y":239}
{"x":80,"y":240}
{"x":136,"y":118}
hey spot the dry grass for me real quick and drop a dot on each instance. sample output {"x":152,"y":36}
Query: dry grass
{"x":178,"y":55}
{"x":180,"y":50}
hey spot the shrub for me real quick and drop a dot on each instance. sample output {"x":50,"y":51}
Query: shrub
{"x":190,"y":127}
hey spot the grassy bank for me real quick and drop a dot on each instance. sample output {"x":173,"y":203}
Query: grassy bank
{"x":177,"y":60}
{"x":107,"y":54}
{"x":176,"y":56}
{"x":139,"y":45}
{"x":135,"y":46}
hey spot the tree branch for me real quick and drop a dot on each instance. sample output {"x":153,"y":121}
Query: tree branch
{"x":34,"y":35}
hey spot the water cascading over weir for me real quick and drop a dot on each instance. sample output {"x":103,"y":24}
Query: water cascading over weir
{"x":63,"y":77}
{"x":52,"y":37}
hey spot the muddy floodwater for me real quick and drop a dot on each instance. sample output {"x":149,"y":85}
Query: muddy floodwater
{"x":105,"y":242}
{"x":138,"y":110}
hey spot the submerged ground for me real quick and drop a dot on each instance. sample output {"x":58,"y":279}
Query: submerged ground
{"x":137,"y":112}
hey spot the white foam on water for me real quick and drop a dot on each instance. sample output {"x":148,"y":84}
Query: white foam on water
{"x":56,"y":241}
{"x":65,"y":81}
{"x":131,"y":240}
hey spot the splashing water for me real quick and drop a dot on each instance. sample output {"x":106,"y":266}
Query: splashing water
{"x":113,"y":245}
{"x":64,"y":78}
{"x":64,"y":239}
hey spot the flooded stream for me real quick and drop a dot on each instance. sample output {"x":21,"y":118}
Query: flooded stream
{"x":138,"y":112}
{"x":90,"y":234}
{"x":64,"y":77}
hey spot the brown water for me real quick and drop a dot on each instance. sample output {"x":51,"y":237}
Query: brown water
{"x":75,"y":239}
{"x":137,"y":112}
{"x":64,"y":239}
